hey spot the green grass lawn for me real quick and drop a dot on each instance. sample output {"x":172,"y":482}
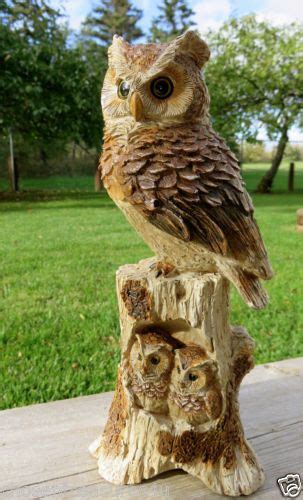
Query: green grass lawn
{"x":59,"y":331}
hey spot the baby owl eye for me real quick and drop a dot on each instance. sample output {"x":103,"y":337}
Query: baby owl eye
{"x":162,"y":87}
{"x":192,"y":377}
{"x":155,"y":360}
{"x":123,"y":89}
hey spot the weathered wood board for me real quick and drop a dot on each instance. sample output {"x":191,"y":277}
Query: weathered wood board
{"x":43,"y":450}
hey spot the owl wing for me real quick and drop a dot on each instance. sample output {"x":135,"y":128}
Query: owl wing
{"x":190,"y":186}
{"x":213,"y":403}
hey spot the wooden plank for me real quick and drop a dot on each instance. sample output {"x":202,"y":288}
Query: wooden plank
{"x":272,"y":447}
{"x":278,"y":369}
{"x":43,"y":448}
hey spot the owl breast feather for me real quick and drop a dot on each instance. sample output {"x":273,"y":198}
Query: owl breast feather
{"x":187,"y":182}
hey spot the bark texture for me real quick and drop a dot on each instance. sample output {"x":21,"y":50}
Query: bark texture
{"x":266,"y":182}
{"x":199,"y":429}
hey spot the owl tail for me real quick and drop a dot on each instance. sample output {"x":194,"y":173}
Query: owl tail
{"x":248,"y":286}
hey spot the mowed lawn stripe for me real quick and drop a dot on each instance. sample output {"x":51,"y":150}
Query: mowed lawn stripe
{"x":59,"y":251}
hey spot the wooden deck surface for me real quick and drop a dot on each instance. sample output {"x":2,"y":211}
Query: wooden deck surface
{"x":43,"y":448}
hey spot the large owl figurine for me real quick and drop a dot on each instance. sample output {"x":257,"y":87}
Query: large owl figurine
{"x":195,"y":394}
{"x":150,"y":364}
{"x":174,"y":178}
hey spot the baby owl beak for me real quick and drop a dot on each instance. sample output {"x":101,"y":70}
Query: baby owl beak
{"x":136,"y":106}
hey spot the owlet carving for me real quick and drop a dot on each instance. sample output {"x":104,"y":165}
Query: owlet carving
{"x":174,"y":178}
{"x":195,"y":393}
{"x":151,"y":361}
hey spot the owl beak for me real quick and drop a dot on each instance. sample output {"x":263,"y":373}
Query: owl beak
{"x":136,"y":106}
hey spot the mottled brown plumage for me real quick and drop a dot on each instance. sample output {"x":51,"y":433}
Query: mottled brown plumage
{"x":195,"y":394}
{"x":150,"y":364}
{"x":174,"y":178}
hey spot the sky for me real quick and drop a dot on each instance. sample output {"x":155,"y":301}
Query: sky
{"x":209,"y":14}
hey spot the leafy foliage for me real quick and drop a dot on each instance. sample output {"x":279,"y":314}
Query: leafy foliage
{"x":50,"y":82}
{"x":113,"y":17}
{"x":293,"y":153}
{"x":49,"y":89}
{"x":35,"y":20}
{"x":175,"y":18}
{"x":28,"y":42}
{"x":256,"y":78}
{"x":89,"y":121}
{"x":255,"y":152}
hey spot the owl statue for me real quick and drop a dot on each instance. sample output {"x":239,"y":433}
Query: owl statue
{"x":195,"y":394}
{"x":150,"y":364}
{"x":174,"y":178}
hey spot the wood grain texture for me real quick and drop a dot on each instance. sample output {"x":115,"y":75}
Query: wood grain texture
{"x":43,"y":449}
{"x":176,"y":401}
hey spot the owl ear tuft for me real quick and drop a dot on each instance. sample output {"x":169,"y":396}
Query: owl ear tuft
{"x":177,"y":354}
{"x":139,"y":340}
{"x":208,"y":363}
{"x":116,"y":49}
{"x":168,"y":346}
{"x":181,"y":358}
{"x":191,"y":43}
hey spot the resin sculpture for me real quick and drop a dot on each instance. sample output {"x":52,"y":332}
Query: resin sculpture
{"x":180,"y":186}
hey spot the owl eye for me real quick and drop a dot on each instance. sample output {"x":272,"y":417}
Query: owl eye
{"x":162,"y":87}
{"x":192,"y":377}
{"x":123,"y":89}
{"x":155,"y":360}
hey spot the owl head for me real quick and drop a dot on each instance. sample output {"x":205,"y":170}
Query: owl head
{"x":155,"y":83}
{"x":193,"y":371}
{"x":151,"y":356}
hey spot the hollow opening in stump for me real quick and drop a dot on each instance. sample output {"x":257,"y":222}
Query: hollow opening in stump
{"x":179,"y":329}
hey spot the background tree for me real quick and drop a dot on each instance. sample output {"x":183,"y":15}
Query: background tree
{"x":49,"y":89}
{"x":50,"y":82}
{"x":256,"y":79}
{"x":107,"y":19}
{"x":90,"y":119}
{"x":175,"y":17}
{"x":256,"y":152}
{"x":113,"y":17}
{"x":293,"y":152}
{"x":28,"y":37}
{"x":27,"y":30}
{"x":34,"y":19}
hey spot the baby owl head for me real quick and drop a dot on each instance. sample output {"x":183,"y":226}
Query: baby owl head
{"x":151,"y":356}
{"x":155,"y":83}
{"x":193,"y":370}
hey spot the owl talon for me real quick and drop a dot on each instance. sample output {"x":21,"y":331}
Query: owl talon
{"x":165,"y":269}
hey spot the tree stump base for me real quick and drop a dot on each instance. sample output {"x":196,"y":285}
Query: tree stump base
{"x":176,"y":399}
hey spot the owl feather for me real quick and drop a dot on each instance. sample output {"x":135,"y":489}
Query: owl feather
{"x":179,"y":175}
{"x":195,"y":393}
{"x":150,"y":365}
